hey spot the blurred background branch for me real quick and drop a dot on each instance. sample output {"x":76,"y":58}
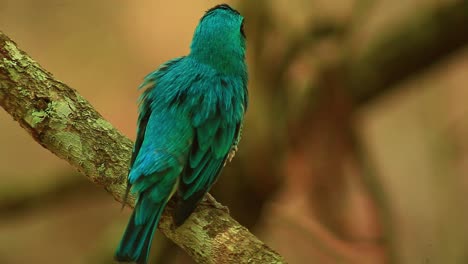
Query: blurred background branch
{"x":415,"y":43}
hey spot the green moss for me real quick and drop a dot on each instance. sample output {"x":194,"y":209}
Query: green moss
{"x":34,"y":118}
{"x":69,"y":141}
{"x":110,"y":173}
{"x":22,"y":91}
{"x":70,"y":104}
{"x":39,"y":75}
{"x":10,"y":66}
{"x":107,"y":172}
{"x":101,"y":168}
{"x":14,"y":52}
{"x":24,"y":61}
{"x":104,"y":124}
{"x":57,"y":111}
{"x":60,"y":110}
{"x":199,"y":232}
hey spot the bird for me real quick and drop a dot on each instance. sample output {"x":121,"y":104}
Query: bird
{"x":189,"y":126}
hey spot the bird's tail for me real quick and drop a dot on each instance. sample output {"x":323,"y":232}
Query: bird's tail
{"x":136,"y":241}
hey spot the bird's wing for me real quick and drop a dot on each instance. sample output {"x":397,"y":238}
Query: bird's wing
{"x":163,"y":137}
{"x":164,"y":150}
{"x":214,"y":137}
{"x":206,"y":159}
{"x":207,"y":156}
{"x":149,"y":83}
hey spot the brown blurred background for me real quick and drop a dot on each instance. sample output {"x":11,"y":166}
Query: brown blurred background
{"x":355,"y":146}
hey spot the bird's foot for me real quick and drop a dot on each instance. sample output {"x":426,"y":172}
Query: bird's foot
{"x":230,"y":155}
{"x":215,"y":204}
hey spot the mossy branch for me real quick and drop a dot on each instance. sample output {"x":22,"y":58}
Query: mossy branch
{"x":62,"y":121}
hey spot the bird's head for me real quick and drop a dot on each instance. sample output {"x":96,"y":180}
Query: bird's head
{"x":219,"y":38}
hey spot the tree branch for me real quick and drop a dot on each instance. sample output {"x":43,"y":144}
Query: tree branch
{"x":62,"y":121}
{"x":418,"y":42}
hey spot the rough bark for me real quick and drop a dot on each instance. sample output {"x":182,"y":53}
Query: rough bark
{"x":62,"y":121}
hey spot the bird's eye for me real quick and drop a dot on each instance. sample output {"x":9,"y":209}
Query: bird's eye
{"x":242,"y":29}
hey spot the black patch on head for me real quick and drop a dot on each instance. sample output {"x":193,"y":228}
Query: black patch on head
{"x":242,"y":29}
{"x":225,"y":7}
{"x":222,"y":6}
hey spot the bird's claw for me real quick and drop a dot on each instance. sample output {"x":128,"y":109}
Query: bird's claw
{"x":215,"y":204}
{"x":231,"y":154}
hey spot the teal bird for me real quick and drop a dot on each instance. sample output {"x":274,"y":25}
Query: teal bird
{"x":189,"y":125}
